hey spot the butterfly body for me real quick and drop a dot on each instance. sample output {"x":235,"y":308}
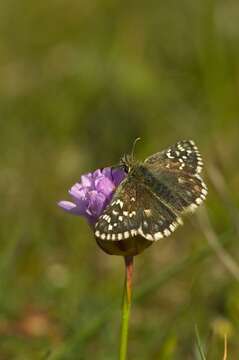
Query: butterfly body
{"x":155,"y":193}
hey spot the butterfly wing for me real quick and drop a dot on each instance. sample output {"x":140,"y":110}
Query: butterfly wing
{"x":135,"y":210}
{"x":177,"y":172}
{"x":183,"y":156}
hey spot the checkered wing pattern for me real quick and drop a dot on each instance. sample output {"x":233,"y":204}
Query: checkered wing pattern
{"x":177,"y":171}
{"x":183,"y":156}
{"x":134,"y":210}
{"x":151,"y":199}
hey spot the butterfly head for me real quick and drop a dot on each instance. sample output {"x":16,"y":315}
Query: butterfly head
{"x":127,"y":162}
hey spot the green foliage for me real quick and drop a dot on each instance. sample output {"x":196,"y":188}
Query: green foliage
{"x":79,"y":82}
{"x":202,"y":355}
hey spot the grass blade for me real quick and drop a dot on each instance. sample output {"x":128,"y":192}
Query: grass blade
{"x":199,"y":344}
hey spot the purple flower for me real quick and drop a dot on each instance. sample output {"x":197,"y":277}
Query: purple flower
{"x":93,"y":193}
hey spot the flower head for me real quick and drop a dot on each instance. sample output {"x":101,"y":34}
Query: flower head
{"x":93,"y":193}
{"x":90,"y":196}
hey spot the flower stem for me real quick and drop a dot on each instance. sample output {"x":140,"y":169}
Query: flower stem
{"x":126,"y":307}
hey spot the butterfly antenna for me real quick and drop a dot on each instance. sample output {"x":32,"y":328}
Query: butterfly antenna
{"x":133,"y":147}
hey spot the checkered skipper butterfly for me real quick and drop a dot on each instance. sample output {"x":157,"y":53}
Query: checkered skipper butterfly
{"x":155,"y":193}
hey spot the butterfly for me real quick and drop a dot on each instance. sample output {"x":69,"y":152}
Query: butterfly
{"x":154,"y":195}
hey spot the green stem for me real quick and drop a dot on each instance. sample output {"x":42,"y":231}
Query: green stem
{"x":126,"y":307}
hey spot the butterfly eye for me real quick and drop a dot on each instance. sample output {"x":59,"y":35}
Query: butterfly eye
{"x":124,"y":163}
{"x":126,"y":168}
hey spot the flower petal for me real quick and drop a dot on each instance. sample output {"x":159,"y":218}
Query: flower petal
{"x":78,"y":185}
{"x":96,"y":203}
{"x":96,"y":173}
{"x":118,"y":175}
{"x":107,"y":172}
{"x":104,"y":185}
{"x":70,"y":207}
{"x":86,"y":180}
{"x":78,"y":193}
{"x":93,"y":193}
{"x":80,"y":197}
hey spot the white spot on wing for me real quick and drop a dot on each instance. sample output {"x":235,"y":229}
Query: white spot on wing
{"x":179,"y":221}
{"x":192,"y":207}
{"x":172,"y":227}
{"x":198,"y":201}
{"x":147,"y":212}
{"x":119,"y":202}
{"x":126,"y":234}
{"x":149,"y":237}
{"x":166,"y":232}
{"x":158,"y":235}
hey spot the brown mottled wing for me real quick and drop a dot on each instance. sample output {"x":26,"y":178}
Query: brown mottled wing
{"x":177,"y":172}
{"x":135,"y":210}
{"x":183,"y":156}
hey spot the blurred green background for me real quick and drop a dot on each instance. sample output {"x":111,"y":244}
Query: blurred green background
{"x":79,"y":81}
